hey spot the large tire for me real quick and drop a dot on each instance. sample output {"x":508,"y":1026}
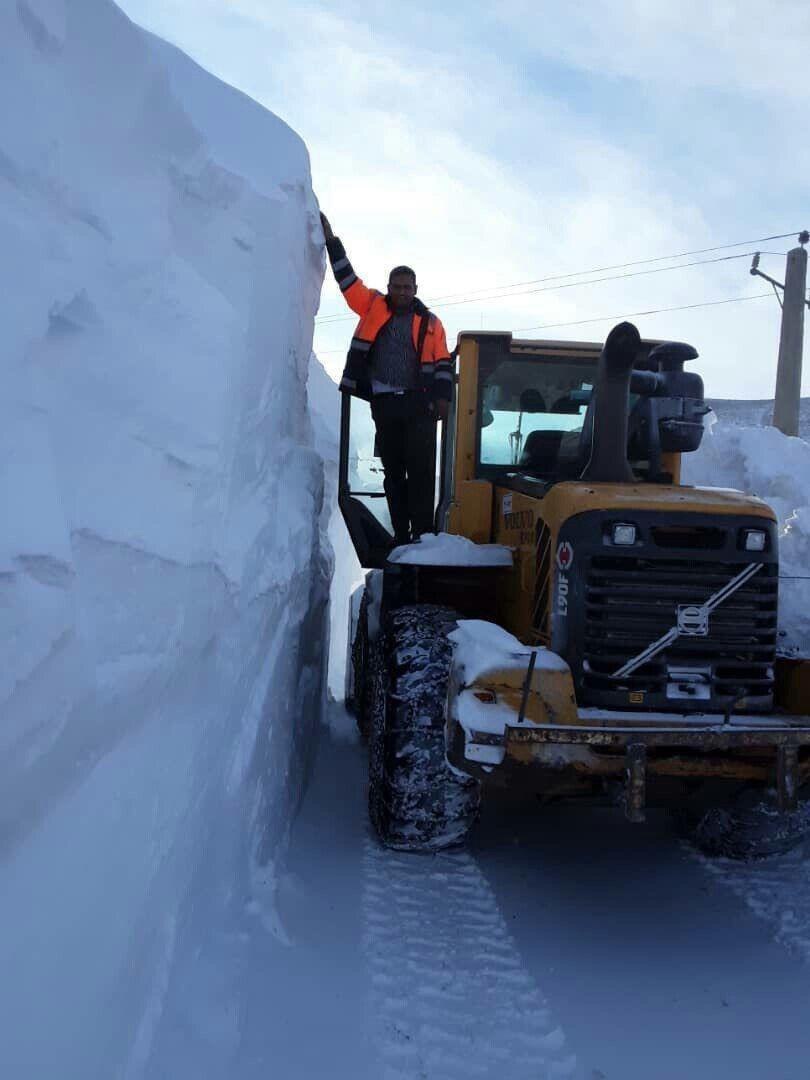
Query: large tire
{"x":751,"y":827}
{"x":417,"y":802}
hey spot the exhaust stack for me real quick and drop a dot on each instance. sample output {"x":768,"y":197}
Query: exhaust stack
{"x":608,"y":459}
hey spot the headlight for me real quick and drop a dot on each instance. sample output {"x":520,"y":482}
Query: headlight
{"x":755,"y":540}
{"x":624,"y":535}
{"x":487,"y":696}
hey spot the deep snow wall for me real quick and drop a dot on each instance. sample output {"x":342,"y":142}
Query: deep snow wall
{"x":163,"y":571}
{"x":347,"y":575}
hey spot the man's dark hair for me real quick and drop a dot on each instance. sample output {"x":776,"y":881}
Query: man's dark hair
{"x":402,"y":270}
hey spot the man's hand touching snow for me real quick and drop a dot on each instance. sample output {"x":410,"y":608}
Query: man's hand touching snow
{"x":327,"y":228}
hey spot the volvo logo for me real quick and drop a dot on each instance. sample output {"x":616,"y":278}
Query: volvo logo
{"x":693,"y":621}
{"x":565,"y":555}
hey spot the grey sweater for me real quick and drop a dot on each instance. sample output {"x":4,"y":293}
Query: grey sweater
{"x":393,"y":358}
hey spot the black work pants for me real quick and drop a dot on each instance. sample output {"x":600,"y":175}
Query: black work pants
{"x":406,"y":444}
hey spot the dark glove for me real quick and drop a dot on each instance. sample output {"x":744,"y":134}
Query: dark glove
{"x":441,"y":408}
{"x":327,"y":228}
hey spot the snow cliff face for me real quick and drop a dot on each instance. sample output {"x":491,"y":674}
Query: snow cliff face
{"x":347,"y":574}
{"x":163,"y":576}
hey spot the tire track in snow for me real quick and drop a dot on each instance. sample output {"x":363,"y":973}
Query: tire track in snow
{"x":450,"y":996}
{"x":776,"y":890}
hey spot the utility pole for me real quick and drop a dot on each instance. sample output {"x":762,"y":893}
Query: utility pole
{"x":791,"y":338}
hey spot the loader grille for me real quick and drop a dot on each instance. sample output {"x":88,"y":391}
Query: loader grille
{"x":630,"y":601}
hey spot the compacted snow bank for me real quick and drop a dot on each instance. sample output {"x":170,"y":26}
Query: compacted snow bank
{"x":163,"y":570}
{"x":347,"y":574}
{"x":762,"y":461}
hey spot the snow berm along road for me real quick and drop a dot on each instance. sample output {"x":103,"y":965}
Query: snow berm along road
{"x":163,"y":570}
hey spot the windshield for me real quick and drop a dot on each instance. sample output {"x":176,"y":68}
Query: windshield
{"x":532,"y":412}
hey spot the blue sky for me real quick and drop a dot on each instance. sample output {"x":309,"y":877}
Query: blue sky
{"x":492,"y":145}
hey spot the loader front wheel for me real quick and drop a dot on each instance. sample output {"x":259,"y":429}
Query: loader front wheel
{"x":417,"y":802}
{"x":752,"y":827}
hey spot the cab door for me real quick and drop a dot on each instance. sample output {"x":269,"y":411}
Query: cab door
{"x":361,"y":496}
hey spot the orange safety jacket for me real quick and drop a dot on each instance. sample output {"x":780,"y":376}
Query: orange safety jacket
{"x":429,"y":339}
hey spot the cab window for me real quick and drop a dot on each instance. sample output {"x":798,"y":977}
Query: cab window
{"x":531,"y":415}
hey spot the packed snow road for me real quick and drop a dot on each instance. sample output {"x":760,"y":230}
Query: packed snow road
{"x":565,"y":943}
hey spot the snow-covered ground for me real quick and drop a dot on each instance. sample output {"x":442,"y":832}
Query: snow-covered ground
{"x":757,"y":413}
{"x":566,"y":942}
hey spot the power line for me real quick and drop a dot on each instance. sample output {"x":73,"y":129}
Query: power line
{"x":636,"y":314}
{"x":611,"y":318}
{"x":596,"y":270}
{"x":624,"y":266}
{"x":597,"y":281}
{"x":329,"y":319}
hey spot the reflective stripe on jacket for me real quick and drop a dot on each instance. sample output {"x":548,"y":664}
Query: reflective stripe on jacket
{"x":435,"y":364}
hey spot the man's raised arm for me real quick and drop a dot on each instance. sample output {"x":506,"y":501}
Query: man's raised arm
{"x":355,"y":293}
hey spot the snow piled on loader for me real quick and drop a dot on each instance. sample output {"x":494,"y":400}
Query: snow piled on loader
{"x":482,"y":647}
{"x":163,"y":564}
{"x":447,"y":550}
{"x":762,"y":461}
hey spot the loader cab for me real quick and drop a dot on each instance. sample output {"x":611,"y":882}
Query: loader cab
{"x":522,"y":416}
{"x":526,"y":419}
{"x":533,"y":403}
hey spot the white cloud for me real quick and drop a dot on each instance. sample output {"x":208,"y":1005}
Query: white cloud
{"x":428,"y":149}
{"x":742,"y":46}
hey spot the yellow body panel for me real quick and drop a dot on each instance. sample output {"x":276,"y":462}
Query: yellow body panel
{"x":471,"y":511}
{"x":515,"y":525}
{"x":575,"y":497}
{"x":466,"y":417}
{"x":551,"y":698}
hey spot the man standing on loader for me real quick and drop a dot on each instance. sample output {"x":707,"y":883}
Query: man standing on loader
{"x":399,"y":362}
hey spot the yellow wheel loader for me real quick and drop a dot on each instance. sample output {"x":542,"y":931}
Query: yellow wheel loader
{"x":597,"y":630}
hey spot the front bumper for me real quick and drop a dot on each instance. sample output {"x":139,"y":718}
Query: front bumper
{"x":773,"y":751}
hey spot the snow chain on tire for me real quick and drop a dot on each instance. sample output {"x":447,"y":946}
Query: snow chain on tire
{"x":417,"y":802}
{"x":749,"y":828}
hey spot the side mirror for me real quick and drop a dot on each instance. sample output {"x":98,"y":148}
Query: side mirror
{"x":486,"y":417}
